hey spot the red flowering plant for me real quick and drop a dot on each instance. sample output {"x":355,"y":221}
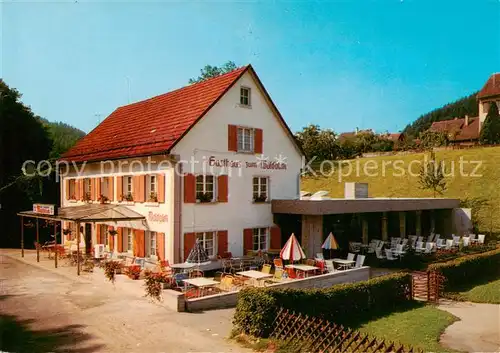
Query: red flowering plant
{"x":134,"y":271}
{"x":154,"y":282}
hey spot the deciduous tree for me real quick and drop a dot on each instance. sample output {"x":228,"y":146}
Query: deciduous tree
{"x":490,"y":131}
{"x":210,"y":71}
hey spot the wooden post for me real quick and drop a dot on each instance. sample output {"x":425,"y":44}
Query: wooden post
{"x":22,"y":236}
{"x":385,"y":227}
{"x":55,"y":245}
{"x":428,"y":285}
{"x":38,"y":242}
{"x":78,"y":248}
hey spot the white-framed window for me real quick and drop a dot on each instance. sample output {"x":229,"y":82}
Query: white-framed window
{"x":207,"y":240}
{"x":245,"y":139}
{"x":130,"y":239}
{"x":104,"y":234}
{"x":72,"y":189}
{"x":151,"y":188}
{"x":87,"y":188}
{"x":260,"y":239}
{"x":152,"y":244}
{"x":205,"y":188}
{"x":127,"y":187}
{"x":260,"y":188}
{"x":245,"y":96}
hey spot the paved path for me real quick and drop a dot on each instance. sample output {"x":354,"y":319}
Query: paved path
{"x":478,"y":329}
{"x":42,"y":311}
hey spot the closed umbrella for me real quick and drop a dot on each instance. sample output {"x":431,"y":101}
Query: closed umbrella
{"x":330,"y":243}
{"x":292,"y":250}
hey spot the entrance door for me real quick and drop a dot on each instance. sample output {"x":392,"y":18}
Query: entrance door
{"x":88,"y":237}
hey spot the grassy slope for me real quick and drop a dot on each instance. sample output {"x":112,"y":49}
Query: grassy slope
{"x":420,"y":327}
{"x":485,"y":187}
{"x":484,"y":293}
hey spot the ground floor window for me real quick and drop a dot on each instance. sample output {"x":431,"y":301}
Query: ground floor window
{"x":104,"y":234}
{"x":260,"y":239}
{"x":207,"y":240}
{"x":129,"y":239}
{"x":152,"y":244}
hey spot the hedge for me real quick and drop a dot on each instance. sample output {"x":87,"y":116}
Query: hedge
{"x":257,"y":307}
{"x":468,"y":269}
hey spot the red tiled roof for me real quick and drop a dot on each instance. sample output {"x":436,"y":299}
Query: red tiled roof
{"x":153,"y":125}
{"x":464,"y":133}
{"x":491,"y":87}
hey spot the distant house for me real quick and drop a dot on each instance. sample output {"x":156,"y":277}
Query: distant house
{"x":351,"y":134}
{"x":467,"y":130}
{"x":396,"y":137}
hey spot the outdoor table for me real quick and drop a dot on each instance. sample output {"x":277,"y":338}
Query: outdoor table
{"x":200,"y":283}
{"x":303,"y":268}
{"x":255,"y":275}
{"x":182,"y":266}
{"x":344,"y":263}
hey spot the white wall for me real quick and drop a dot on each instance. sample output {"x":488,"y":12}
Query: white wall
{"x":209,"y":137}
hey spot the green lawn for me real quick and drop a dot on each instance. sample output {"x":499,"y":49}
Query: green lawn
{"x":484,"y":293}
{"x":483,"y":189}
{"x":419,"y":327}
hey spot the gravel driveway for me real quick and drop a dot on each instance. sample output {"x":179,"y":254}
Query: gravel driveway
{"x":41,"y":311}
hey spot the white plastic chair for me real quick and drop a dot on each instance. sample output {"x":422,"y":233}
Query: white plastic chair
{"x":351,"y":256}
{"x":399,"y":250}
{"x":380,"y":245}
{"x":429,"y":247}
{"x":329,"y":266}
{"x":441,"y":243}
{"x":465,"y":241}
{"x":413,"y":241}
{"x":438,"y":236}
{"x":472,"y":237}
{"x":360,"y":260}
{"x":404,"y":242}
{"x":430,"y":238}
{"x":379,"y":254}
{"x":456,"y":240}
{"x":420,"y":247}
{"x":420,"y":239}
{"x":480,"y":238}
{"x":388,"y":254}
{"x":449,"y":244}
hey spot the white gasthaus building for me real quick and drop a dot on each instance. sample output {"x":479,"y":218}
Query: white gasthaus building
{"x":201,"y":162}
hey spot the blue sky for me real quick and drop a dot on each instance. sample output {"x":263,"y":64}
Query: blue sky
{"x":341,"y":64}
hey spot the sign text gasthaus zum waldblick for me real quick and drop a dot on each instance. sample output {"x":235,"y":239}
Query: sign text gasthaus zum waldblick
{"x":213,"y":162}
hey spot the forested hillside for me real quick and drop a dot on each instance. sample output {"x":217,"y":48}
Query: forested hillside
{"x":63,"y":136}
{"x":464,"y":106}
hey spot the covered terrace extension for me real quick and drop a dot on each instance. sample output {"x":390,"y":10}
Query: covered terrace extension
{"x":361,"y":219}
{"x":90,"y":213}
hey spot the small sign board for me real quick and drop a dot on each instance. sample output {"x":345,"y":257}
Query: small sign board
{"x":48,"y":210}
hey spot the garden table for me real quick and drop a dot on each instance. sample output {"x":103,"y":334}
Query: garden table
{"x":303,"y":268}
{"x":256,"y":276}
{"x":344,"y":262}
{"x":201,"y":283}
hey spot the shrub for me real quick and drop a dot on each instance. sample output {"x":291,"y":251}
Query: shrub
{"x":468,"y":269}
{"x":257,"y":307}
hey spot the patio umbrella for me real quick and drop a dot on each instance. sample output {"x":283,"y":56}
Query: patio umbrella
{"x":198,"y":255}
{"x":330,"y":243}
{"x":292,"y":250}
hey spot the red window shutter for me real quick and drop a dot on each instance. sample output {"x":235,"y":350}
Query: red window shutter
{"x":138,"y":188}
{"x":139,"y":243}
{"x":99,"y":235}
{"x":189,"y":240}
{"x":97,"y":188}
{"x":66,"y":184}
{"x":222,"y":188}
{"x":275,"y":242}
{"x":119,"y":239}
{"x":161,"y":187}
{"x":160,"y":245}
{"x":78,"y":191}
{"x":189,"y":188}
{"x":222,"y":242}
{"x":142,"y":188}
{"x":232,"y":138}
{"x":247,"y":240}
{"x":119,"y":188}
{"x":111,"y":189}
{"x":92,"y":188}
{"x":258,"y":148}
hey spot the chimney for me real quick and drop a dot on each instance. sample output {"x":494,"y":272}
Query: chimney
{"x":466,"y":120}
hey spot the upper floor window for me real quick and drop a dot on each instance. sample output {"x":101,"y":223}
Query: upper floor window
{"x":207,"y":240}
{"x":260,"y":239}
{"x":205,"y":188}
{"x":152,"y":188}
{"x":128,"y":188}
{"x":72,"y":189}
{"x":245,"y":139}
{"x":245,"y":96}
{"x":260,"y":189}
{"x":87,"y":189}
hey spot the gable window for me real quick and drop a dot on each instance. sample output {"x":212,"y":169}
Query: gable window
{"x":151,"y":188}
{"x":129,"y":237}
{"x":127,"y":188}
{"x":245,"y":139}
{"x":87,"y":189}
{"x":245,"y":96}
{"x":72,"y":189}
{"x":205,"y":188}
{"x":260,"y":189}
{"x":260,"y":239}
{"x":207,"y":240}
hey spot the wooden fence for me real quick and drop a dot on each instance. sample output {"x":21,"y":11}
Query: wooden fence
{"x":427,"y":285}
{"x":314,"y":335}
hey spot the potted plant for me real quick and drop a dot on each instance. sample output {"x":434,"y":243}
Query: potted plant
{"x":260,"y":198}
{"x":103,"y":199}
{"x":204,"y":197}
{"x":155,"y":282}
{"x":112,"y":232}
{"x":133,"y":272}
{"x":127,"y":197}
{"x":153,"y":197}
{"x":66,"y":231}
{"x":86,"y":197}
{"x":111,"y":268}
